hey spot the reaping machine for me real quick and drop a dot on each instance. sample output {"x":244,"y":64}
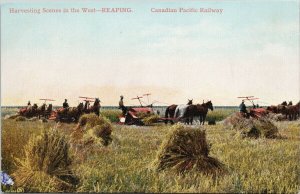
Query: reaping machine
{"x":255,"y":111}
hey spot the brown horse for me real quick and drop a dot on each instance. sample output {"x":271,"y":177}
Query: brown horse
{"x":93,"y":109}
{"x":198,"y":110}
{"x":298,"y":109}
{"x":48,"y":111}
{"x":292,"y":111}
{"x":41,"y":111}
{"x":273,"y":109}
{"x":29,"y":111}
{"x":70,"y":114}
{"x":281,"y":108}
{"x":170,"y":111}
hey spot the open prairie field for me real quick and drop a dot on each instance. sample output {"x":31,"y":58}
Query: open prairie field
{"x":126,"y":164}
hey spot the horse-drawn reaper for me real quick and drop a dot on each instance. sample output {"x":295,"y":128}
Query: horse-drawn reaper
{"x":255,"y":111}
{"x":36,"y":111}
{"x":72,"y":114}
{"x":134,"y":115}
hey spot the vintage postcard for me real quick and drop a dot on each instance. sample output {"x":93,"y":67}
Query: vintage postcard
{"x":148,"y":96}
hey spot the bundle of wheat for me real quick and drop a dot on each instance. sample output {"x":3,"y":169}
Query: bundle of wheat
{"x":91,"y":120}
{"x":46,"y":166}
{"x":99,"y":134}
{"x":98,"y":129}
{"x":186,"y":149}
{"x":150,"y":119}
{"x":252,"y":127}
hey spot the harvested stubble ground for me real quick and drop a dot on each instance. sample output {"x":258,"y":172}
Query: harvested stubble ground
{"x":185,"y":149}
{"x":46,"y":165}
{"x":252,"y":127}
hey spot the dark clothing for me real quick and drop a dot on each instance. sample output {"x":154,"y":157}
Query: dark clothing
{"x":124,"y":110}
{"x":243,"y":108}
{"x":65,"y":105}
{"x":122,"y":107}
{"x":121,"y":103}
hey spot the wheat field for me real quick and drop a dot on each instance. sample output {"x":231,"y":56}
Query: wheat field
{"x":126,"y":165}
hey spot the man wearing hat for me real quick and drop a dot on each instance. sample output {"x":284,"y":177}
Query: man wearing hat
{"x":121,"y":105}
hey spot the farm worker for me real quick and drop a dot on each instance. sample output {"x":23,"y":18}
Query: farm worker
{"x":121,"y":105}
{"x":243,"y":108}
{"x":28,"y":105}
{"x":65,"y":104}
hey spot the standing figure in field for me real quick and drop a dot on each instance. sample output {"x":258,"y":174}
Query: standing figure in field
{"x":170,"y":111}
{"x":121,"y":106}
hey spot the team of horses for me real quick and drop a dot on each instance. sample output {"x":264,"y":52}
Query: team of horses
{"x":69,"y":114}
{"x":73,"y":113}
{"x":186,"y":113}
{"x":291,"y":112}
{"x":35,"y":111}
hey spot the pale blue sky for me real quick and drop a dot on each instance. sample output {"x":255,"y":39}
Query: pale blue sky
{"x":250,"y":49}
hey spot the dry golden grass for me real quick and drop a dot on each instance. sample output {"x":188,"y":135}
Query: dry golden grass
{"x":150,"y":119}
{"x":254,"y":165}
{"x":97,"y":129}
{"x":46,"y":165}
{"x":186,"y":149}
{"x":252,"y":127}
